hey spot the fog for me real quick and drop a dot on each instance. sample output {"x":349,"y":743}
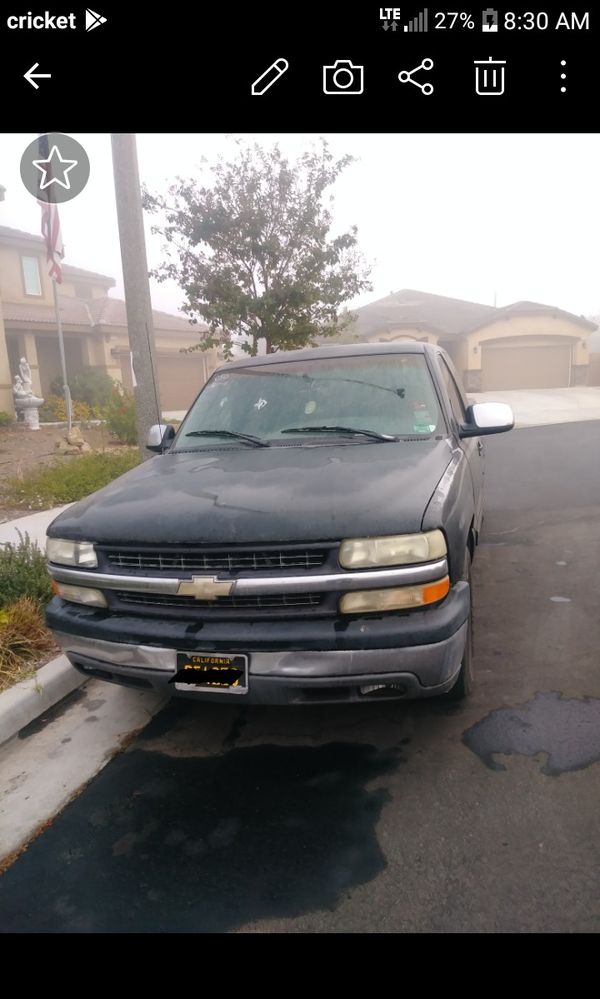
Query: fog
{"x":489,"y":218}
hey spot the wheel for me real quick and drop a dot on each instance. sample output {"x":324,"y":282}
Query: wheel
{"x":464,"y":683}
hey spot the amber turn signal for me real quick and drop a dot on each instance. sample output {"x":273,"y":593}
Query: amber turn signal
{"x":394,"y":598}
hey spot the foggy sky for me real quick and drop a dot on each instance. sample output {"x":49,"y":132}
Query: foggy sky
{"x":464,"y":215}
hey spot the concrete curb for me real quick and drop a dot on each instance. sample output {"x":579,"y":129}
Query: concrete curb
{"x":27,"y":700}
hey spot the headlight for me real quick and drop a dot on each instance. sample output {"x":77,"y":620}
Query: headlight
{"x":394,"y":598}
{"x":399,"y":549}
{"x":80,"y":595}
{"x":71,"y":552}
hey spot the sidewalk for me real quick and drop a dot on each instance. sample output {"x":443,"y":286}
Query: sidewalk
{"x":34,"y":524}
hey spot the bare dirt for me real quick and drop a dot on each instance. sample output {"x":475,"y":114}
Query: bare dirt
{"x":23,"y":451}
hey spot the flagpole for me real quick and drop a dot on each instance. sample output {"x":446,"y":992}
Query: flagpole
{"x":61,"y":346}
{"x":54,"y":254}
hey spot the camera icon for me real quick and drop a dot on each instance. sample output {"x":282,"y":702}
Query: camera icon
{"x":343,"y":78}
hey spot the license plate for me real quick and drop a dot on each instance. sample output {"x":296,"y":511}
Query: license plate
{"x":214,"y":673}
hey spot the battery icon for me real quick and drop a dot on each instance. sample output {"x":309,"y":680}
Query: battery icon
{"x":489,"y":20}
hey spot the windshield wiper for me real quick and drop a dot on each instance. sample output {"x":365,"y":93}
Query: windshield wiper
{"x":339,"y":430}
{"x":248,"y":438}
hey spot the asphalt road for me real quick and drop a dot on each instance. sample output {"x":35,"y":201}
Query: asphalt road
{"x":381,"y":817}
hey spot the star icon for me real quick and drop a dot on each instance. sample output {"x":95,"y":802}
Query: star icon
{"x":46,"y":167}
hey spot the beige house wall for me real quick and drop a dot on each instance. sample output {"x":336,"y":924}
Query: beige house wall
{"x":404,"y":333}
{"x":543,"y":328}
{"x":101,"y":347}
{"x":594,"y":370}
{"x":6,"y":396}
{"x":190,"y":371}
{"x":28,"y":349}
{"x":12,"y":287}
{"x":69,"y":286}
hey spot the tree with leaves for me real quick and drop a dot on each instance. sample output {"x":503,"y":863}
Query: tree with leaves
{"x":253,"y":251}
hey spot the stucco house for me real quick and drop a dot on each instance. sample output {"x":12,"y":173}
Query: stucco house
{"x":594,"y":349}
{"x":524,"y":345}
{"x":94,"y":328}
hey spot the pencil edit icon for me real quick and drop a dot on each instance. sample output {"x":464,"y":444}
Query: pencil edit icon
{"x":269,"y":77}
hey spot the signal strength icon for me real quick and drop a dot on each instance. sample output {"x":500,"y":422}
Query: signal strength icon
{"x":418,"y":23}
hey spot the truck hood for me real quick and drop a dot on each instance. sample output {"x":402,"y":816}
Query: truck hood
{"x":278,"y":494}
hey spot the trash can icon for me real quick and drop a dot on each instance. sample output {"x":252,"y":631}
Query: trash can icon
{"x":489,"y":76}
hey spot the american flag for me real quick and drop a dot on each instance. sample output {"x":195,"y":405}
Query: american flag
{"x":51,"y":226}
{"x":53,"y":239}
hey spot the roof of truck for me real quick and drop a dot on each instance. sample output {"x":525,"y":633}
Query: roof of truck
{"x":334,"y":350}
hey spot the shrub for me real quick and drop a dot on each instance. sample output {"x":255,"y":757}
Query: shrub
{"x":54,"y":410}
{"x":5,"y":419}
{"x":23,"y":573}
{"x":56,"y":386}
{"x":70,"y":480}
{"x":93,"y":386}
{"x":120,"y":415}
{"x":23,"y":640}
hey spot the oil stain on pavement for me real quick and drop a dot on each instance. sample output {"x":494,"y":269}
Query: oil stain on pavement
{"x":177,"y":844}
{"x":567,"y":730}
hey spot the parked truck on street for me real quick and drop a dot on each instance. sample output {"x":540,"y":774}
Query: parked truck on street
{"x":306,"y":536}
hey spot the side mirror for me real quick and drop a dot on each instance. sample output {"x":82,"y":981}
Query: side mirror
{"x":160,"y":437}
{"x":487,"y":418}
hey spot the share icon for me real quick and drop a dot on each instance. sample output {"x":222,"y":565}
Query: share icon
{"x":406,"y":76}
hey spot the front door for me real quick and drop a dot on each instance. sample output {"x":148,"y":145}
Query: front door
{"x":473,"y":447}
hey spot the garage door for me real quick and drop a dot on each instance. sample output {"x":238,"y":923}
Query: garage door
{"x":180,"y":378}
{"x":525,"y":367}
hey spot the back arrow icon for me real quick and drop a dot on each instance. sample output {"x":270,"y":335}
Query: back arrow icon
{"x":31,"y":77}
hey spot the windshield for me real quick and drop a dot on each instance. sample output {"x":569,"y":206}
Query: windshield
{"x":391,"y":394}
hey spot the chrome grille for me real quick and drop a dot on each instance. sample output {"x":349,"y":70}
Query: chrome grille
{"x":266,"y":602}
{"x":190,"y":561}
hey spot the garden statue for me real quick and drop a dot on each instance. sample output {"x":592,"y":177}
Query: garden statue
{"x":19,"y":390}
{"x":26,"y":402}
{"x":25,"y":372}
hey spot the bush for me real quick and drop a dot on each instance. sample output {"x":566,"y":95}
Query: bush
{"x":54,"y":410}
{"x":6,"y":419}
{"x":23,"y":640}
{"x":23,"y":573}
{"x":120,"y":415}
{"x":93,"y":386}
{"x":70,"y":480}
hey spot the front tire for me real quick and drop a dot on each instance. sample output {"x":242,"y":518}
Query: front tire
{"x":465,"y":680}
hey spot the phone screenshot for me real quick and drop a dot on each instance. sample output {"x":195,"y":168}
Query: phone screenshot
{"x":299,"y":469}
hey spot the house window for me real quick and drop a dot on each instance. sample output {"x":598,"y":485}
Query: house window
{"x":31,"y":275}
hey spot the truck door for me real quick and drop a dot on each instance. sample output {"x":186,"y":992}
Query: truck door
{"x":472,"y":447}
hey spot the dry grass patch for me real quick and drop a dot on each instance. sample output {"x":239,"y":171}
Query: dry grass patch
{"x":24,"y":640}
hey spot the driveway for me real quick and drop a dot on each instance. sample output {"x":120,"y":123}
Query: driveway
{"x":541,"y":407}
{"x":383,"y":817}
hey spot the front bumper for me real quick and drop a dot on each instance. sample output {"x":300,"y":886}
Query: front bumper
{"x":294,"y":662}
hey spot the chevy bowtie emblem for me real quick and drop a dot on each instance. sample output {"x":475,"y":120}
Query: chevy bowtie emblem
{"x":205,"y":588}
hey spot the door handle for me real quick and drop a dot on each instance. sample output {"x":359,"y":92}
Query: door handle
{"x":480,"y":447}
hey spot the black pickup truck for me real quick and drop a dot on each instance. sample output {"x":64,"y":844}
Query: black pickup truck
{"x":306,"y":536}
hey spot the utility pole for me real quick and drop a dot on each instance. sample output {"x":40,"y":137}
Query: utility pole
{"x":137,"y":286}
